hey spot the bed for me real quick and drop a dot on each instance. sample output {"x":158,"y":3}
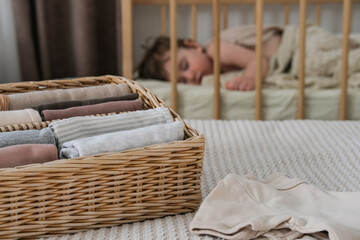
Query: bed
{"x":264,"y":103}
{"x":324,"y":153}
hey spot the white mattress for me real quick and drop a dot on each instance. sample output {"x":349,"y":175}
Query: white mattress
{"x":324,"y":153}
{"x":196,"y":102}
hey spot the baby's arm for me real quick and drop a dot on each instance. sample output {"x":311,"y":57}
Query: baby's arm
{"x":239,"y":57}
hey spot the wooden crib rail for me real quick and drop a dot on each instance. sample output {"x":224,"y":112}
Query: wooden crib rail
{"x":258,"y":10}
{"x":209,"y":2}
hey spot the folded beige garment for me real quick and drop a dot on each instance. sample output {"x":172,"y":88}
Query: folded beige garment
{"x":19,"y":116}
{"x":31,"y":99}
{"x":280,"y":208}
{"x":18,"y":155}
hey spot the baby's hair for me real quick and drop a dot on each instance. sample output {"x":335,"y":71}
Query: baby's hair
{"x":152,"y":64}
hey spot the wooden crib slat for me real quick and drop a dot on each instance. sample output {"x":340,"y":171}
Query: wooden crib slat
{"x":318,"y":14}
{"x":302,"y":55}
{"x":286,"y":14}
{"x":216,"y":23}
{"x":258,"y":52}
{"x":194,"y":22}
{"x":173,"y":54}
{"x":345,"y":55}
{"x":254,"y":13}
{"x":225,"y":16}
{"x":163,"y":20}
{"x":127,"y":57}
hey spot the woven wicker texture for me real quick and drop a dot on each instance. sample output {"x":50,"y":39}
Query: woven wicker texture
{"x":66,"y":196}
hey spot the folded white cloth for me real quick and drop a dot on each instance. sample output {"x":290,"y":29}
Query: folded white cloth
{"x":82,"y":127}
{"x":32,"y":99}
{"x":19,"y":116}
{"x":280,"y":208}
{"x":123,"y":140}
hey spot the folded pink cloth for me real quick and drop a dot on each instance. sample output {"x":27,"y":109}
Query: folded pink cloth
{"x":102,"y":108}
{"x":4,"y":102}
{"x":18,"y":155}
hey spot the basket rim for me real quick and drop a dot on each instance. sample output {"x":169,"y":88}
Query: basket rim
{"x":68,"y":83}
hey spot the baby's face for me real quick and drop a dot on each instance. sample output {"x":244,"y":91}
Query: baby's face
{"x":192,"y":65}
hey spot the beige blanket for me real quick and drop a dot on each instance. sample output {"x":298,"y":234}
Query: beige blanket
{"x":322,"y":63}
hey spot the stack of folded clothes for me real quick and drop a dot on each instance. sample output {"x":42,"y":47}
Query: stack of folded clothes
{"x":79,"y":134}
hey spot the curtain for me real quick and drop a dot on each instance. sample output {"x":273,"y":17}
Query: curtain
{"x":67,"y":38}
{"x":9,"y":62}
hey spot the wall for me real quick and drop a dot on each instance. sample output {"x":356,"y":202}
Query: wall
{"x":331,"y":20}
{"x":147,"y":23}
{"x":9,"y":62}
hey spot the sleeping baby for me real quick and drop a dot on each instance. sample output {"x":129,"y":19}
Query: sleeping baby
{"x":237,"y":52}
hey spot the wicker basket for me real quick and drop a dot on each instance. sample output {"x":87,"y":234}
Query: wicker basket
{"x":67,"y":196}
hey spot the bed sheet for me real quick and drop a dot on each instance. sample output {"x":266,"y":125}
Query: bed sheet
{"x":196,"y":102}
{"x":324,"y":153}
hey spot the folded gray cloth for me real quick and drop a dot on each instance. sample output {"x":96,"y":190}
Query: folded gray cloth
{"x":81,"y":127}
{"x":123,"y":140}
{"x":31,"y":99}
{"x":43,"y":136}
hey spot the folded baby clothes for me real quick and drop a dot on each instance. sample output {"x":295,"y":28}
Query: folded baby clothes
{"x":280,"y":208}
{"x":19,"y":116}
{"x":123,"y":140}
{"x":19,"y":155}
{"x":81,"y":127}
{"x":101,"y":108}
{"x":43,"y":136}
{"x":4,"y":102}
{"x":69,"y":104}
{"x":31,"y":99}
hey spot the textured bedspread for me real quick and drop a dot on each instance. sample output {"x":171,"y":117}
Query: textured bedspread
{"x":323,"y":153}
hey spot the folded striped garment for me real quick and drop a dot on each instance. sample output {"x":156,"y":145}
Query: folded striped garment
{"x":43,"y":136}
{"x":31,"y":99}
{"x":19,"y":116}
{"x":123,"y":140}
{"x":82,"y":127}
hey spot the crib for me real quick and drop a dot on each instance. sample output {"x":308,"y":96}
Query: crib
{"x":222,"y":5}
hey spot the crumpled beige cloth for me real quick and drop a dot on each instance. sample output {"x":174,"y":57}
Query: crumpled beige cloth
{"x":322,"y":59}
{"x":322,"y":63}
{"x":279,"y":208}
{"x":246,"y":35}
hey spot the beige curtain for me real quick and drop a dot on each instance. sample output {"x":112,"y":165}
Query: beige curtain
{"x":67,"y":38}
